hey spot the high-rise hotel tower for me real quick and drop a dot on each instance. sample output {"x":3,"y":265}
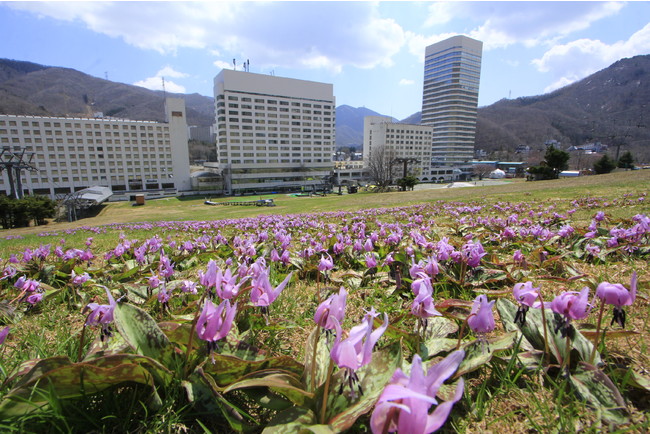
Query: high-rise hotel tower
{"x":452,"y":72}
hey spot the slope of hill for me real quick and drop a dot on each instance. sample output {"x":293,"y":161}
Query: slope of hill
{"x":610,"y":106}
{"x":349,"y":124}
{"x":27,"y":88}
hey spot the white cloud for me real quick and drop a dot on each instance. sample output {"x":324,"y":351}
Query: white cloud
{"x":577,"y":59}
{"x":326,"y":35}
{"x":222,"y":64}
{"x":406,"y":82}
{"x":156,"y":82}
{"x":501,"y":24}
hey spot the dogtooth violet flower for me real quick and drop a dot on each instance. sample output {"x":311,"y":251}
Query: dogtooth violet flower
{"x":333,"y":307}
{"x":481,"y":317}
{"x":617,"y":295}
{"x":215,"y":322}
{"x":405,"y":402}
{"x":355,"y":351}
{"x":326,"y":263}
{"x":263,"y":293}
{"x":528,"y":297}
{"x":572,"y":305}
{"x":102,"y":314}
{"x":3,"y":334}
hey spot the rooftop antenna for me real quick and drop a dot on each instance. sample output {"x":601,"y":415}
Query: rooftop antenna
{"x":164,"y":91}
{"x":248,"y":65}
{"x":234,"y":65}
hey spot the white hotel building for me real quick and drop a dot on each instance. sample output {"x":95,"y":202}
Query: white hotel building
{"x":128,"y":156}
{"x":273,"y":133}
{"x":404,"y":141}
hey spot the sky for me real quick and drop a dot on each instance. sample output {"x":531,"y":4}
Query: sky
{"x":372,"y":52}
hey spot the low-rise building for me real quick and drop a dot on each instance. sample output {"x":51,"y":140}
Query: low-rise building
{"x":403,"y":141}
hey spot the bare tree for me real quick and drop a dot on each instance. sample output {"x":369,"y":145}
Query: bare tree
{"x":482,"y":170}
{"x":380,"y":165}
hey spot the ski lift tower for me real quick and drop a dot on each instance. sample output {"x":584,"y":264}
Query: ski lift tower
{"x":14,"y":162}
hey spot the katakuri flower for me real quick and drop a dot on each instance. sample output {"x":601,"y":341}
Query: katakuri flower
{"x":102,"y":314}
{"x":215,"y":322}
{"x":481,"y":317}
{"x":263,"y":293}
{"x":528,"y":297}
{"x":333,"y":307}
{"x":405,"y":402}
{"x":355,"y":351}
{"x":572,"y":305}
{"x":617,"y":295}
{"x":3,"y":334}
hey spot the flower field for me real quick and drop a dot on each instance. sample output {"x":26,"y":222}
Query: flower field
{"x":453,"y":316}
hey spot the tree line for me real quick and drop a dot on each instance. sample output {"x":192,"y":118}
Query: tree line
{"x":18,"y":213}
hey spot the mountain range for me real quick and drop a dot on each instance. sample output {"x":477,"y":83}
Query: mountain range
{"x":610,"y":106}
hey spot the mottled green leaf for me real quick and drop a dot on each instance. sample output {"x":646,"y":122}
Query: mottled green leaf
{"x":58,"y":378}
{"x":227,"y":370}
{"x":292,"y":420}
{"x":478,"y":353}
{"x":595,"y":387}
{"x":342,"y":413}
{"x":283,"y":382}
{"x":317,"y":367}
{"x":631,"y":378}
{"x":534,"y":333}
{"x":142,"y":333}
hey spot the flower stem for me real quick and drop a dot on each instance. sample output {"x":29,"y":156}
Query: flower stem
{"x":462,"y":330}
{"x":547,"y":354}
{"x":189,"y":344}
{"x":313,"y":358}
{"x":600,"y":319}
{"x":81,"y":343}
{"x":326,"y":392}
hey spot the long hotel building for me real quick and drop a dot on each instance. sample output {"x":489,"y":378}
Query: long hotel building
{"x":273,"y":133}
{"x":71,"y":154}
{"x":452,"y":73}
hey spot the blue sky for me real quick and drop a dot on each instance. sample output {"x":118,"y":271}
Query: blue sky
{"x":371,"y":51}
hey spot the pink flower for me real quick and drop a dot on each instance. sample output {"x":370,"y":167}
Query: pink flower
{"x":528,"y":297}
{"x":79,"y":279}
{"x":481,"y":319}
{"x":618,"y":296}
{"x":405,"y":402}
{"x":102,"y":314}
{"x":325,"y":264}
{"x":263,"y":293}
{"x":526,"y":294}
{"x":371,"y":260}
{"x":215,"y":322}
{"x":572,"y":304}
{"x":333,"y":307}
{"x":356,"y":350}
{"x":3,"y":334}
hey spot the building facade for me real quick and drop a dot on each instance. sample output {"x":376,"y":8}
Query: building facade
{"x":452,"y":73}
{"x":403,"y":141}
{"x":273,"y":133}
{"x":71,"y":154}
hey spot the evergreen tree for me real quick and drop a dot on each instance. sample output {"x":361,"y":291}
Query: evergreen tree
{"x":604,"y":165}
{"x":626,"y":161}
{"x":556,"y":159}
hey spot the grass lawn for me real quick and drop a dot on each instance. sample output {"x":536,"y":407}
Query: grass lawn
{"x":514,"y":390}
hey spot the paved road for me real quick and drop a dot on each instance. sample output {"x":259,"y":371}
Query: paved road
{"x":483,"y":183}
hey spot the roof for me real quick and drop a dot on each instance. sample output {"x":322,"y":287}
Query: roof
{"x":92,"y":195}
